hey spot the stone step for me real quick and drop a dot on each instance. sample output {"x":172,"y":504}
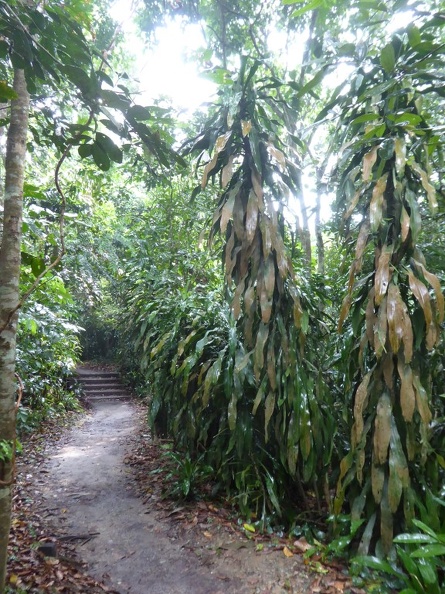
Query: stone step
{"x":102,"y":385}
{"x":101,"y":382}
{"x":117,"y":391}
{"x":98,"y":378}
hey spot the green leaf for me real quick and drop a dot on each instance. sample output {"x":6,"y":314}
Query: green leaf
{"x":414,"y":539}
{"x":430,"y":550}
{"x":113,"y":152}
{"x":85,"y":150}
{"x":6,"y":92}
{"x":100,"y":157}
{"x":139,"y":113}
{"x":388,"y":58}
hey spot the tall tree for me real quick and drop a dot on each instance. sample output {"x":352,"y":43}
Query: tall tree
{"x":10,"y":297}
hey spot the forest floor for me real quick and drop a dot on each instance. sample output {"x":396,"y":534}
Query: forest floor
{"x":92,"y":495}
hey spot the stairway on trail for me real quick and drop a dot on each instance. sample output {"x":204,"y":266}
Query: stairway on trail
{"x":100,"y":385}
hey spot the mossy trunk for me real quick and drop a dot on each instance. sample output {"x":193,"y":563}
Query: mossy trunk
{"x":9,"y":295}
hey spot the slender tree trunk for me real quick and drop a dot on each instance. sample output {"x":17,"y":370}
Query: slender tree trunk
{"x":9,"y":296}
{"x":318,"y":232}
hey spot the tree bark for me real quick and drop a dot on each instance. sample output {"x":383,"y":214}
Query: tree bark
{"x":9,"y":296}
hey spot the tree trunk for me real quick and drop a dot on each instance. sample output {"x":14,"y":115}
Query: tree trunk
{"x":9,"y":296}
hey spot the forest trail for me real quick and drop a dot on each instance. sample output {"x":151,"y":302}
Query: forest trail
{"x":90,"y":492}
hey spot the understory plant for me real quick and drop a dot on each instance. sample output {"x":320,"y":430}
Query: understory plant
{"x":47,"y":353}
{"x":394,"y":301}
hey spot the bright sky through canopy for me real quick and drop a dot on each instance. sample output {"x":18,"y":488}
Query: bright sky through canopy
{"x":164,"y":70}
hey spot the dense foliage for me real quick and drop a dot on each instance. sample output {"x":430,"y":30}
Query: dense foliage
{"x":302,"y":364}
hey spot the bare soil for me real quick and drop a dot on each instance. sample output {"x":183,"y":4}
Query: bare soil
{"x":86,"y":491}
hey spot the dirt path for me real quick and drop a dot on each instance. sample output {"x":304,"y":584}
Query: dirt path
{"x":89,"y":490}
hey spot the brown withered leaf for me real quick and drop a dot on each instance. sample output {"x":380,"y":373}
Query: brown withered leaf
{"x":227,"y":172}
{"x":269,"y":277}
{"x":359,"y":464}
{"x":422,"y":400}
{"x":370,"y":317}
{"x":362,"y":242}
{"x":269,"y":406}
{"x":227,"y":211}
{"x":276,"y":154}
{"x":382,"y":274}
{"x":283,"y":261}
{"x":360,"y":400}
{"x":395,"y":315}
{"x":386,"y":521}
{"x":265,"y":235}
{"x":407,"y":394}
{"x":236,"y":301}
{"x":368,"y":163}
{"x":380,"y":329}
{"x":398,"y":470}
{"x":435,"y":283}
{"x":422,"y":295}
{"x":376,"y":205}
{"x":246,"y":127}
{"x":388,"y":370}
{"x":251,"y":216}
{"x":377,"y":480}
{"x":257,"y":183}
{"x":404,"y":223}
{"x":345,"y":307}
{"x":271,"y":365}
{"x":263,"y":333}
{"x":238,"y":215}
{"x":382,"y":428}
{"x":230,"y":261}
{"x":427,"y":186}
{"x":353,"y":204}
{"x":207,"y":169}
{"x":432,"y":336}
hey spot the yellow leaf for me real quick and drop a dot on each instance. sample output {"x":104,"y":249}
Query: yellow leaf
{"x":249,"y":527}
{"x":376,"y":205}
{"x":207,"y":534}
{"x":246,"y":127}
{"x":382,"y":428}
{"x":368,"y":163}
{"x":287,"y":552}
{"x":13,"y":579}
